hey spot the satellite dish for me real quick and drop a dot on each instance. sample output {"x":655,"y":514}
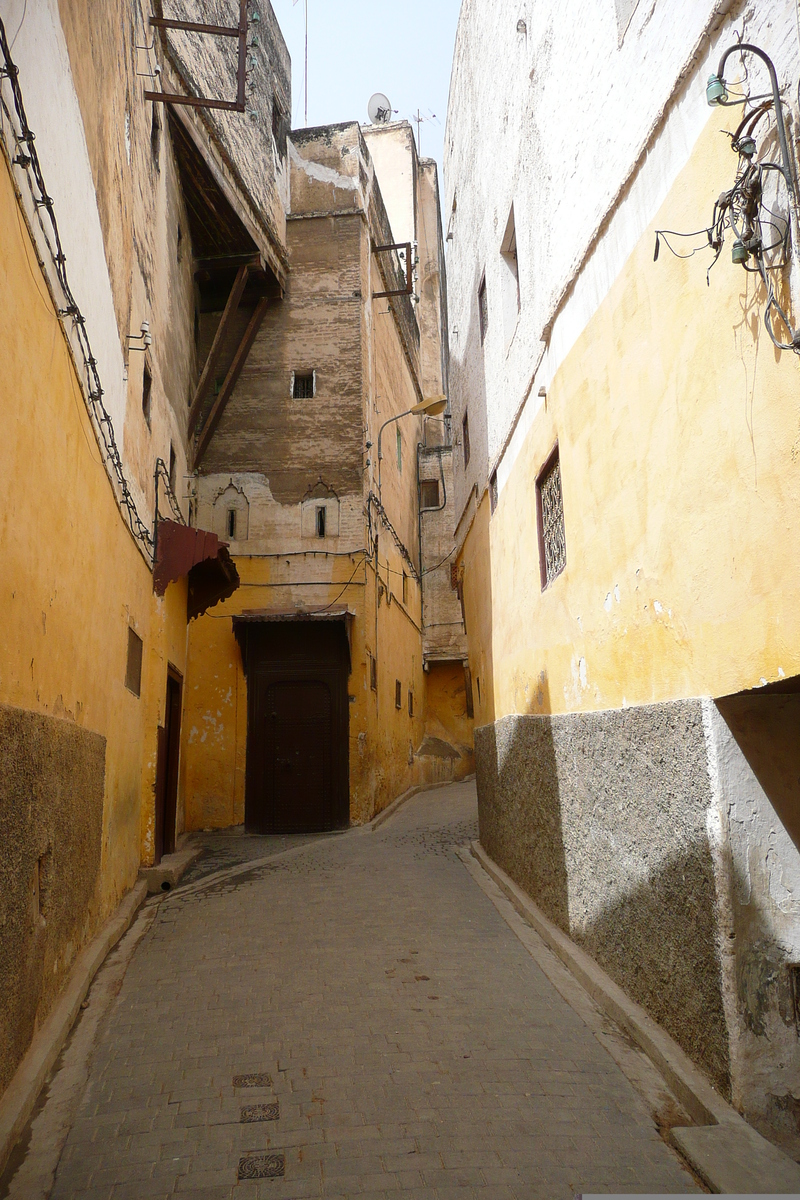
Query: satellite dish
{"x":379,"y":109}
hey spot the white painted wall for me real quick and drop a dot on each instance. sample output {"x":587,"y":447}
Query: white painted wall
{"x":393,"y":153}
{"x":549,"y":112}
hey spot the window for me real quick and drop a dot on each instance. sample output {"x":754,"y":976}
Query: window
{"x":398,"y":694}
{"x":465,"y":438}
{"x":373,"y":673}
{"x":405,"y":588}
{"x":410,"y":703}
{"x":230,"y":524}
{"x":147,"y":389}
{"x":399,"y":449}
{"x":304,"y":385}
{"x":510,"y":274}
{"x":172,"y":466}
{"x":133,"y":670}
{"x":429,"y":493}
{"x":550,"y":518}
{"x":493,"y":491}
{"x":320,"y":521}
{"x":483,"y":309}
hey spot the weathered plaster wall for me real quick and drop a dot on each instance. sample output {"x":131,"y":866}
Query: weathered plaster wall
{"x":51,"y":815}
{"x":602,"y":818}
{"x":394,"y":153}
{"x":448,"y":727}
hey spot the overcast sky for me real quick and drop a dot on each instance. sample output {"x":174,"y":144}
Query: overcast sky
{"x":356,"y":47}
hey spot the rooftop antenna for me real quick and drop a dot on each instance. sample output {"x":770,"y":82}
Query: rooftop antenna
{"x":418,"y":120}
{"x":305,"y":72}
{"x":380,"y":109}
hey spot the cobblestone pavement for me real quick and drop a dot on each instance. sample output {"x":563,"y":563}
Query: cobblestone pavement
{"x":230,"y":847}
{"x":357,"y":1019}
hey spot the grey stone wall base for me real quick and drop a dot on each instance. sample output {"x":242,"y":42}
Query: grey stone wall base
{"x":726,"y":1152}
{"x":165,"y":876}
{"x":21,"y":1094}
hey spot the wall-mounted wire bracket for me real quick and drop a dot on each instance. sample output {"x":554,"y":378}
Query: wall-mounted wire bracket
{"x":238,"y":31}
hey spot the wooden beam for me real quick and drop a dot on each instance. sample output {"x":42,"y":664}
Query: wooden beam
{"x":239,"y":359}
{"x":207,"y":375}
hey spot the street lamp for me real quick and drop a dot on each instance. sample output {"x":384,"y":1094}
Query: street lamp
{"x":434,"y":406}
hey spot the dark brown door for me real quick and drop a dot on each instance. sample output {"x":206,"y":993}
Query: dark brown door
{"x":169,"y":747}
{"x":297,"y":729}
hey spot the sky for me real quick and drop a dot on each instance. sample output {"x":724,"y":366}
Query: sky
{"x":357,"y":47}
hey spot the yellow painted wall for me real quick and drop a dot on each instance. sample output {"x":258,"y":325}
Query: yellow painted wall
{"x":679,"y":434}
{"x":73,"y":578}
{"x":446,"y":713}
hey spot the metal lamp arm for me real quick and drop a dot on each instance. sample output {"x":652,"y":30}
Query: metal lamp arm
{"x":407,"y":413}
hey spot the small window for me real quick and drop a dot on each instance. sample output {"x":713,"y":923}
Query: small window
{"x":373,"y":673}
{"x":405,"y":588}
{"x":410,"y":703}
{"x":483,"y":309}
{"x":399,"y":437}
{"x":173,"y":463}
{"x":147,"y":393}
{"x":493,"y":491}
{"x":429,"y":493}
{"x":465,"y":438}
{"x":398,"y":694}
{"x":320,"y":524}
{"x":155,"y":137}
{"x":133,"y":670}
{"x":304,"y":385}
{"x":550,"y":519}
{"x":230,"y":524}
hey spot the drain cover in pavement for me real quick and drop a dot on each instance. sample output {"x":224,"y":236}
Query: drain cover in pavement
{"x":262,"y":1166}
{"x":260,"y":1112}
{"x":264,"y":1081}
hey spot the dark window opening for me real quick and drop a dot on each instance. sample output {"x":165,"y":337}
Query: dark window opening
{"x":147,"y":389}
{"x":483,"y":310}
{"x":373,"y":673}
{"x":465,"y":438}
{"x":232,"y":523}
{"x":429,"y":493}
{"x":405,"y":588}
{"x":410,"y":703}
{"x":303,"y":385}
{"x":398,"y":694}
{"x":155,"y":137}
{"x":133,"y":669}
{"x":794,"y":983}
{"x":493,"y":491}
{"x":550,"y":520}
{"x":321,"y":521}
{"x":173,"y":462}
{"x":478,"y":684}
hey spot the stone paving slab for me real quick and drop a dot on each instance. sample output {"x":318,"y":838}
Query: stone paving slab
{"x":412,"y":1045}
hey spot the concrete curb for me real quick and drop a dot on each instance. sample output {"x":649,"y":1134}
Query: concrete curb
{"x":22,"y":1093}
{"x":167,"y":874}
{"x":726,"y":1152}
{"x":392,"y":808}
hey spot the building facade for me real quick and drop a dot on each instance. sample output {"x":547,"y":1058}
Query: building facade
{"x":194,"y":370}
{"x":626,"y":499}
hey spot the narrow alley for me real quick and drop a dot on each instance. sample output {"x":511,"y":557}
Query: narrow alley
{"x":355,"y":1017}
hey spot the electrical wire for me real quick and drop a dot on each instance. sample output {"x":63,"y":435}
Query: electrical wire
{"x":26,"y":158}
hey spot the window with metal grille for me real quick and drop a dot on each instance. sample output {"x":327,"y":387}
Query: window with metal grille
{"x":465,"y":438}
{"x":550,"y":515}
{"x":398,"y":694}
{"x":483,"y":309}
{"x":133,"y":669}
{"x":303,"y":385}
{"x":429,"y":493}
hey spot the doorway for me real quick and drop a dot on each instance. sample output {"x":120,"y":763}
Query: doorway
{"x":169,"y":744}
{"x":297,"y":727}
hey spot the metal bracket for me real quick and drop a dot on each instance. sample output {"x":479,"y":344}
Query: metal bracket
{"x":409,"y":288}
{"x":239,"y":31}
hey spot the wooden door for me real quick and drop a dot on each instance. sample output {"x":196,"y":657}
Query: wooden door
{"x":297,"y":729}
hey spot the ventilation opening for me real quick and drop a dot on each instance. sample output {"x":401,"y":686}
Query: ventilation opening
{"x":155,"y":137}
{"x":147,"y":393}
{"x":398,"y":694}
{"x":373,"y":673}
{"x":410,"y":703}
{"x":172,"y":466}
{"x":321,"y":521}
{"x":465,"y":438}
{"x":483,"y":310}
{"x":133,"y":670}
{"x":231,"y":523}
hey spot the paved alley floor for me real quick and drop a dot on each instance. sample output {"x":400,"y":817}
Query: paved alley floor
{"x":354,"y":1018}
